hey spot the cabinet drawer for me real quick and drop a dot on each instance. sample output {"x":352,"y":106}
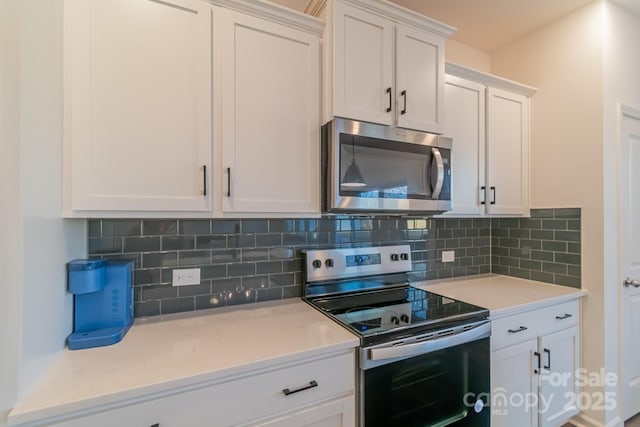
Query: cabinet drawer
{"x":266,"y":392}
{"x":520,"y":327}
{"x":237,"y":401}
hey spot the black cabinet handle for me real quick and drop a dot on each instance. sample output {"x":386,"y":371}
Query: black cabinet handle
{"x":228,"y":182}
{"x":548,"y":352}
{"x":484,"y":195}
{"x":566,"y":316}
{"x":390,"y":100}
{"x":312,"y":384}
{"x":204,"y":182}
{"x":493,"y":202}
{"x":537,"y":356}
{"x":404,"y":108}
{"x":515,"y":331}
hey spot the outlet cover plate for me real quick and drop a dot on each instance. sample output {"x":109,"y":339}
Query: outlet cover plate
{"x":186,"y":276}
{"x":448,"y":256}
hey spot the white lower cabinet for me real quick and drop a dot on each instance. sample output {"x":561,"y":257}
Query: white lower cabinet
{"x":337,"y":413}
{"x":535,"y":357}
{"x":318,"y":393}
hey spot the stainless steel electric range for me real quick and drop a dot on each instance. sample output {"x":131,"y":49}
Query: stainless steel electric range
{"x":423,"y":358}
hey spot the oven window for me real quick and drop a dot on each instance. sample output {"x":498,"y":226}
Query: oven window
{"x":436,"y":389}
{"x":375,"y":168}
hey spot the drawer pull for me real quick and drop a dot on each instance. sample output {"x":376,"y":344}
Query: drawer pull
{"x":548,"y":353}
{"x":312,"y":384}
{"x":515,"y":331}
{"x":537,"y":356}
{"x":566,"y":316}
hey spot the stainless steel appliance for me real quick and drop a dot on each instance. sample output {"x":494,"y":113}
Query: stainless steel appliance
{"x":370,"y":168}
{"x":423,"y":358}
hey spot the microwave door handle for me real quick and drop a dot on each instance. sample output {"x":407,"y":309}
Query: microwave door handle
{"x":437,"y":157}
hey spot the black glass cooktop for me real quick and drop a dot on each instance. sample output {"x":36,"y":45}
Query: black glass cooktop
{"x":396,"y":309}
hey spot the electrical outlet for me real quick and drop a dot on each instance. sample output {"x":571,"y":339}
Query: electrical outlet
{"x":448,"y":256}
{"x":186,"y":276}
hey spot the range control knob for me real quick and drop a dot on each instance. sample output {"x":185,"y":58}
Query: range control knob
{"x":329,"y":262}
{"x":404,"y":257}
{"x":404,"y":318}
{"x":316,"y":263}
{"x":394,"y":257}
{"x":395,"y":320}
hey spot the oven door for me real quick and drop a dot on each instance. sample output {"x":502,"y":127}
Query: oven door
{"x":448,"y":385}
{"x":374,"y":168}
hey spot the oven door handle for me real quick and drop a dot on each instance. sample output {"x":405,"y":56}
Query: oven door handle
{"x":416,"y":349}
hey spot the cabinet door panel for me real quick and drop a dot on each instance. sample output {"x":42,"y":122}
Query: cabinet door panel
{"x":514,"y":387}
{"x":340,"y":413}
{"x":138,"y":104}
{"x":363,"y":65}
{"x":271,"y":116}
{"x":464,"y":120}
{"x":558,"y":386}
{"x":420,"y":80}
{"x":507,"y":152}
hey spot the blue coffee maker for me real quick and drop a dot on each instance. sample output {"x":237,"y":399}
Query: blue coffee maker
{"x":103,"y":302}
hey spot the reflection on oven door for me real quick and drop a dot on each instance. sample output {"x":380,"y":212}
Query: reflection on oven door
{"x":448,"y":387}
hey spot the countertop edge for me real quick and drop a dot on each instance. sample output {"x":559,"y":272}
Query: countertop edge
{"x":144,"y":393}
{"x":504,"y":312}
{"x":484,"y":280}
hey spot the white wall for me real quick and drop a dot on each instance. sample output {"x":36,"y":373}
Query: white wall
{"x":467,"y":56}
{"x":36,"y":242}
{"x":10,"y":273}
{"x":564,"y":60}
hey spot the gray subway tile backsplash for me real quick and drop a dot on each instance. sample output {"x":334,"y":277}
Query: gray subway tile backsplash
{"x":550,"y":253}
{"x":252,"y":260}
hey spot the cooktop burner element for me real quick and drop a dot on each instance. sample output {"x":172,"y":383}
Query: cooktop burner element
{"x":381,"y":306}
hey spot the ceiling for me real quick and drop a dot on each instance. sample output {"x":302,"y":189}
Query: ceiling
{"x":490,"y":24}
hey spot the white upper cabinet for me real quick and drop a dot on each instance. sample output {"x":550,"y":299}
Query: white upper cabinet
{"x":363,"y":65}
{"x":270,"y":116}
{"x":137,"y":106}
{"x":384,"y":64}
{"x":507,"y":153}
{"x":182,"y":108}
{"x":420,"y":79}
{"x":488,"y":119}
{"x":465,"y":123}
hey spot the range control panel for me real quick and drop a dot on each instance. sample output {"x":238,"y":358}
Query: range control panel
{"x":329,"y":264}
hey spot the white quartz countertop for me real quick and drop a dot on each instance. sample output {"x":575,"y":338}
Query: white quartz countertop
{"x":185,"y":351}
{"x":502,"y":295}
{"x":158,"y":356}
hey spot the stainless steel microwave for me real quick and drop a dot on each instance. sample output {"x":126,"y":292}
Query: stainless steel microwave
{"x":375,"y":169}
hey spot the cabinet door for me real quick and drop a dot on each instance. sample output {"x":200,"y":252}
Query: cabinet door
{"x":338,"y":413}
{"x":270,"y":116}
{"x":558,"y":386}
{"x":137,"y":105}
{"x":464,"y":120}
{"x":514,"y":387}
{"x":507,"y":153}
{"x":420,"y":80}
{"x":362,"y":65}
